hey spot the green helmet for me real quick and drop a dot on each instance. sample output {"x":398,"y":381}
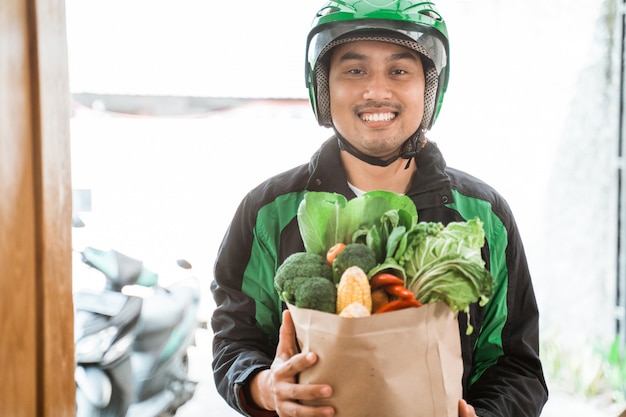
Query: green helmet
{"x":411,"y":23}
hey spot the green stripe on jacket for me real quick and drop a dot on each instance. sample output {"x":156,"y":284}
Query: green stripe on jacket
{"x":489,"y":344}
{"x":258,"y":281}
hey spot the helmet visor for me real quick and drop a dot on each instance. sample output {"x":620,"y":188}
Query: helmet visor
{"x":429,"y":39}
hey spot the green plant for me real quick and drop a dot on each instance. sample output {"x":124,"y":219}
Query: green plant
{"x":615,"y":368}
{"x":579,"y":369}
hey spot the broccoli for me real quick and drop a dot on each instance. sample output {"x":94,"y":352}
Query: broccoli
{"x":290,"y":286}
{"x":316,"y":293}
{"x":354,"y":254}
{"x":299,"y":264}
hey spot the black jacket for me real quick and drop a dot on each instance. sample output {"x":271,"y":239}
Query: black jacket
{"x":502,"y":373}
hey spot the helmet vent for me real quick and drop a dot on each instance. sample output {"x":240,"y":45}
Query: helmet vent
{"x":327,"y":10}
{"x":431,"y":14}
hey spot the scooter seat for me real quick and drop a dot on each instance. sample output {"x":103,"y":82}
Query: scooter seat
{"x":160,"y":315}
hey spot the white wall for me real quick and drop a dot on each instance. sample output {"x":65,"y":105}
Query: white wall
{"x":534,"y":100}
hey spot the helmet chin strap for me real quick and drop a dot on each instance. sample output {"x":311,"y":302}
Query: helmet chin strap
{"x":410,"y":148}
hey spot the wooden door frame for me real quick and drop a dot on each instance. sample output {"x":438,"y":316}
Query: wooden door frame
{"x":36,"y":327}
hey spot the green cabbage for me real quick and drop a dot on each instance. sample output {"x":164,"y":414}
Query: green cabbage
{"x":445,"y":264}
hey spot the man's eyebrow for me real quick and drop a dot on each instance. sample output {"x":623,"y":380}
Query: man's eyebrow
{"x":349,"y":55}
{"x":404,"y":55}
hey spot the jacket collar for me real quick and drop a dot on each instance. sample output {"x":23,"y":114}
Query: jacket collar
{"x":431,"y":184}
{"x":430,"y":187}
{"x":326,"y":170}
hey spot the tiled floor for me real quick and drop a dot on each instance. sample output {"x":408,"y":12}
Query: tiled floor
{"x":206,"y":401}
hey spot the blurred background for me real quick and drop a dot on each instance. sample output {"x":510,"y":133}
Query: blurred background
{"x":176,"y":103}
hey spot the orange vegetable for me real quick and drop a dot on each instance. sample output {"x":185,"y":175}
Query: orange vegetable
{"x":379,"y":298}
{"x":334,"y":251}
{"x":384,"y":278}
{"x":399,"y":291}
{"x":398,"y":304}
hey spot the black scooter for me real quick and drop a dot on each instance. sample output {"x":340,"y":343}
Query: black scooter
{"x":131,"y":347}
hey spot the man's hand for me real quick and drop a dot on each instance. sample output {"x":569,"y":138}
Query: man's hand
{"x":276,"y":388}
{"x":466,"y":410}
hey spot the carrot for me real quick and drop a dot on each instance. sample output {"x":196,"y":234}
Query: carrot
{"x":398,"y":305}
{"x":384,"y":278}
{"x":399,"y":291}
{"x":334,"y":251}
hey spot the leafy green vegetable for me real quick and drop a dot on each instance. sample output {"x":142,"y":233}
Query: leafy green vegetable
{"x":388,"y":237}
{"x":445,"y":264}
{"x":318,"y":220}
{"x":328,"y":218}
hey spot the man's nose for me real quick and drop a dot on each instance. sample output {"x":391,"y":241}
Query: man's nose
{"x":378,"y":87}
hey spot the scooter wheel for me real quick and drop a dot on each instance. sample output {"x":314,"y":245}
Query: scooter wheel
{"x":115,"y":408}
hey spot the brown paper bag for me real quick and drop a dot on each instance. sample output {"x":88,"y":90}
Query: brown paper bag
{"x":405,"y":363}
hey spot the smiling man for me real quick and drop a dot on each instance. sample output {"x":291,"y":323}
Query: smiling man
{"x":377,"y":71}
{"x":376,"y":99}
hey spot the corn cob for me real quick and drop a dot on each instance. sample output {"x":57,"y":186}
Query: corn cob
{"x":353,"y":287}
{"x":355,"y":309}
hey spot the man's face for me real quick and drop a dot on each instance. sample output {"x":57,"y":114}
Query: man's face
{"x":376,"y":95}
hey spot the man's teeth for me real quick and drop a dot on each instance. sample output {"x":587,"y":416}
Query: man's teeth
{"x":378,"y":117}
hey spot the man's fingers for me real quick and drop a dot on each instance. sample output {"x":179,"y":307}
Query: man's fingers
{"x":287,"y":338}
{"x":302,"y":392}
{"x":462,"y":408}
{"x":290,"y":395}
{"x":287,"y":351}
{"x":297,"y":364}
{"x":287,"y":329}
{"x":287,"y":365}
{"x":466,"y":410}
